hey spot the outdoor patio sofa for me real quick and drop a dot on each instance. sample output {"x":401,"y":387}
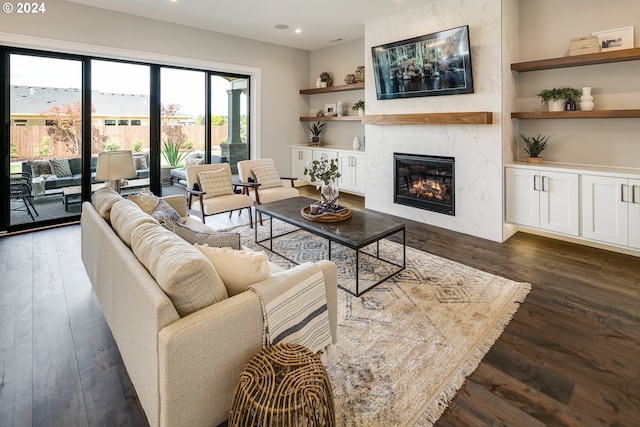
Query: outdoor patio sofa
{"x":60,"y":173}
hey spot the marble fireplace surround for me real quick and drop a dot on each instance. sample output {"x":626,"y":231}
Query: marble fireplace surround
{"x":477,"y":147}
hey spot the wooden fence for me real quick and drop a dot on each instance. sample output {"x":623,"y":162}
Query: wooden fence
{"x":30,"y":142}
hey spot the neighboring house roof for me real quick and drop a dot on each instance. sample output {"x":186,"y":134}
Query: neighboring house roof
{"x":33,"y":100}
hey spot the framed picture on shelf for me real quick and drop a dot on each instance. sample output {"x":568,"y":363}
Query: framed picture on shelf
{"x":621,"y":38}
{"x":329,"y":110}
{"x":434,"y":64}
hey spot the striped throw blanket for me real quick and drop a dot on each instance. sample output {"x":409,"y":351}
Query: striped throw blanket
{"x":299,"y":315}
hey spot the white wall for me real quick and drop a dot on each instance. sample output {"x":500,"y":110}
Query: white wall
{"x":545,"y":28}
{"x":282,"y":71}
{"x":477,"y":148}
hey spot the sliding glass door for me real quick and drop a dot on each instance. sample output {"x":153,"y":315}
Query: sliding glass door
{"x":120,"y":111}
{"x":61,"y":110}
{"x":45,"y":136}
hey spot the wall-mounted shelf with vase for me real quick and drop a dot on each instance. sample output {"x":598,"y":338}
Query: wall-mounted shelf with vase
{"x":578,"y":61}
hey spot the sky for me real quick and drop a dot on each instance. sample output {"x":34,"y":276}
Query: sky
{"x":182,"y":87}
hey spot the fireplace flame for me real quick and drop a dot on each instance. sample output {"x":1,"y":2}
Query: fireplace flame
{"x":428,"y":188}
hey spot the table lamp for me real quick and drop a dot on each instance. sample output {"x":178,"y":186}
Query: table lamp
{"x":114,"y":166}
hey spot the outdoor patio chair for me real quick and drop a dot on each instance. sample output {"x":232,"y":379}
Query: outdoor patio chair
{"x":272,"y":187}
{"x":211,"y":191}
{"x":20,"y":188}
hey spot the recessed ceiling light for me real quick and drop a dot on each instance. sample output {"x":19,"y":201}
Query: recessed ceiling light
{"x":298,"y":30}
{"x":281,"y":26}
{"x":335,"y":40}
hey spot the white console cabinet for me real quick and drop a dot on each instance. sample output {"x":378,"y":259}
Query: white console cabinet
{"x":350,"y":163}
{"x":611,"y":210}
{"x":543,"y":199}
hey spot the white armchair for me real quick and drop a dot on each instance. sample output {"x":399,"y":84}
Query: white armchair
{"x":271,"y":186}
{"x":215,"y":191}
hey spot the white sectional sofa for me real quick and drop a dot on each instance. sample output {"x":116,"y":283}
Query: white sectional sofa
{"x":183,"y":363}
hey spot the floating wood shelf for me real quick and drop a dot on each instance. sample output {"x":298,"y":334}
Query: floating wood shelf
{"x":467,"y":118}
{"x":593,"y":114}
{"x":332,"y":119}
{"x":578,"y":60}
{"x":329,"y":89}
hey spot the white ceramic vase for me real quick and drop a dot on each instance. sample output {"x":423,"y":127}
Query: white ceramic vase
{"x":586,"y":100}
{"x":356,"y":143}
{"x":340,"y":109}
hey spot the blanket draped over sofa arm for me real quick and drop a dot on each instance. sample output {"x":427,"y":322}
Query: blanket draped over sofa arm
{"x":298,"y":315}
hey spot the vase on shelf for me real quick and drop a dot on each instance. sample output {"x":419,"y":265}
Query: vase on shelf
{"x":586,"y":100}
{"x":356,"y":143}
{"x":340,"y":109}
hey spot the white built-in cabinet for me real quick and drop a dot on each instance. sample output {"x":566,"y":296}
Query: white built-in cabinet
{"x":350,"y":163}
{"x":299,"y":158}
{"x":351,"y":167}
{"x":611,"y":210}
{"x":599,"y":204}
{"x":543,"y":199}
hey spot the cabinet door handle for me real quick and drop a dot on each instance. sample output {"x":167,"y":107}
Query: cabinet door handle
{"x":542,"y":182}
{"x":535,"y":182}
{"x":622,"y":193}
{"x":633,"y":193}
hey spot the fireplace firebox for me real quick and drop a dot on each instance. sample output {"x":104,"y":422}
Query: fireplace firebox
{"x":425,"y":182}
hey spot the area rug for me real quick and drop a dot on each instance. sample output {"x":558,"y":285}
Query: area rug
{"x":406,"y":346}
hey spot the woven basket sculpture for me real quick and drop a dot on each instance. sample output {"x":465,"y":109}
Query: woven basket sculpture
{"x":283,"y":385}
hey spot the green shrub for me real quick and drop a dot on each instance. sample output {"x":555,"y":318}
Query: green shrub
{"x":188,"y":144}
{"x":137,"y":146}
{"x":14,"y":150}
{"x":44,"y":150}
{"x":111,"y":146}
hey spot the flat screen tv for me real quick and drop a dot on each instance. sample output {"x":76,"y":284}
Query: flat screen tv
{"x":434,"y":64}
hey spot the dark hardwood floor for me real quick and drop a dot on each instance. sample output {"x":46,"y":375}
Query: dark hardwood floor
{"x":569,"y":357}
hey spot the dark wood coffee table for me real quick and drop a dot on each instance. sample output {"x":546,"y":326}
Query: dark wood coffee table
{"x":357,"y":232}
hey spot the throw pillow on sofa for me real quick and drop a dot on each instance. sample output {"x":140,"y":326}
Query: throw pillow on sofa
{"x":237,"y":269}
{"x":140,"y":161}
{"x":146,"y":200}
{"x":181,"y":270}
{"x":60,"y":167}
{"x":215,"y":239}
{"x":40,"y":167}
{"x":166,"y":215}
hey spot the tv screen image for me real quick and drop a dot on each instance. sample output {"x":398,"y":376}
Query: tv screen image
{"x":434,"y":64}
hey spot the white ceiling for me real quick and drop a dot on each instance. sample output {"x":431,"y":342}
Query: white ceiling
{"x":320,"y":20}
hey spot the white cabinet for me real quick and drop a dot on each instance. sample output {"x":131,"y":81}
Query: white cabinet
{"x":611,"y":210}
{"x":299,"y":159}
{"x":351,"y":166}
{"x":543,"y":199}
{"x":324,"y":153}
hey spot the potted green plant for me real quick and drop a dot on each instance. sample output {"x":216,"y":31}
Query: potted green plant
{"x":316,"y":130}
{"x":557,"y":98}
{"x":171,"y":153}
{"x":359,"y":107}
{"x":534,"y":146}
